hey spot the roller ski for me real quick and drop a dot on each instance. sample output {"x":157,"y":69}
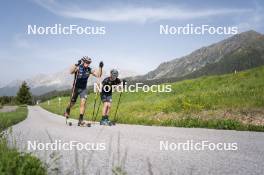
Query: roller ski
{"x":82,"y":123}
{"x":105,"y":121}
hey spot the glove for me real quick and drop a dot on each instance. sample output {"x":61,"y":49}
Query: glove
{"x":79,"y":63}
{"x":101,"y":64}
{"x":124,"y":82}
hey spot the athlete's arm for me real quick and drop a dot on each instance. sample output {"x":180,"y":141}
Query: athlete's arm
{"x":99,"y":72}
{"x":96,"y":73}
{"x":73,"y":69}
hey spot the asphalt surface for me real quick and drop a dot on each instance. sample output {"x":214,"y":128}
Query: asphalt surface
{"x":135,"y":149}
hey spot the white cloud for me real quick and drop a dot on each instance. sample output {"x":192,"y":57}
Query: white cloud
{"x":252,"y":20}
{"x":133,"y":13}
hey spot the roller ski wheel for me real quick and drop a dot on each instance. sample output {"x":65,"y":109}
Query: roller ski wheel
{"x":66,"y":115}
{"x":81,"y":123}
{"x":84,"y":124}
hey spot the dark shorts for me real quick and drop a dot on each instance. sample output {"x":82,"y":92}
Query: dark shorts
{"x":106,"y":98}
{"x":81,"y":92}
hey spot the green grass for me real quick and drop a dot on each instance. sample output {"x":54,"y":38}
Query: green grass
{"x":12,"y":161}
{"x":188,"y":100}
{"x":10,"y":118}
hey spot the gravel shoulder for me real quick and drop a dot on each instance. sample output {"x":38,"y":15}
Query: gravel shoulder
{"x":8,"y":108}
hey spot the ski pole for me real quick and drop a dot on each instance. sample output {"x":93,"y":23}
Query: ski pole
{"x":98,"y":109}
{"x":95,"y":99}
{"x":117,"y":106}
{"x":101,"y":64}
{"x":73,"y":85}
{"x":73,"y":88}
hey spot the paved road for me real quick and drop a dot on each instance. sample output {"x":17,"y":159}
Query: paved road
{"x":136,"y":149}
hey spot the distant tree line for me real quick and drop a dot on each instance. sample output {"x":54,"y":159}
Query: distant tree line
{"x":54,"y":94}
{"x":7,"y":100}
{"x":23,"y":97}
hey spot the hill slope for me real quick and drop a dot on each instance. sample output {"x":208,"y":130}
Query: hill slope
{"x":236,"y":97}
{"x":244,"y":58}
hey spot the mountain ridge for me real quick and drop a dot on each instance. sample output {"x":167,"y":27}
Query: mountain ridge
{"x":197,"y":59}
{"x":44,"y":83}
{"x":238,"y":52}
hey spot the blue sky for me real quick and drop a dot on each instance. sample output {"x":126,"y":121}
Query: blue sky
{"x":132,"y":40}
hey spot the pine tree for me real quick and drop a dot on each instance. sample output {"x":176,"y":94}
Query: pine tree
{"x":23,"y":94}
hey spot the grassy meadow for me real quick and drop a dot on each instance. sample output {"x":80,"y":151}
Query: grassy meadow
{"x":231,"y":101}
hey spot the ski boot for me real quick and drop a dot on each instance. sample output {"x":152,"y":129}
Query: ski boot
{"x":81,"y":122}
{"x":106,"y":121}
